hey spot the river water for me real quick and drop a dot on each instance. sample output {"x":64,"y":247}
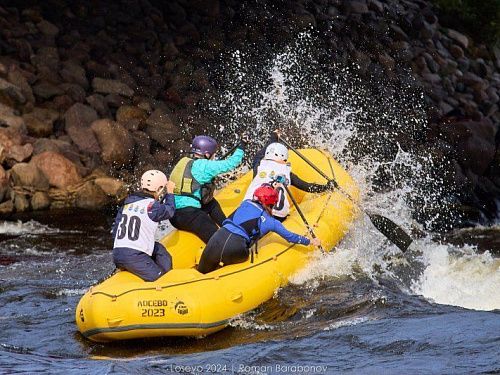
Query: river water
{"x":361,"y":309}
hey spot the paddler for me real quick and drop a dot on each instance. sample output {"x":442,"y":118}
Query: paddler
{"x":271,"y":164}
{"x":252,"y":219}
{"x":135,"y":249}
{"x":197,"y":211}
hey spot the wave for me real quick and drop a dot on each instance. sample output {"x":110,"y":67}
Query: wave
{"x":29,"y":227}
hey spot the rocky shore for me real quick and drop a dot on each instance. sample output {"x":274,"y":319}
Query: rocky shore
{"x":94,"y":93}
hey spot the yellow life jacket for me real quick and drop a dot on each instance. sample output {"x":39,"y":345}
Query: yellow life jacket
{"x":187,"y":185}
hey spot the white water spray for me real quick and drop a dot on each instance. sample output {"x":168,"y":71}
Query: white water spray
{"x":328,"y":113}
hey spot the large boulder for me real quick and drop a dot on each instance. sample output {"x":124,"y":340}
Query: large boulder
{"x":47,"y":90}
{"x":60,"y":171}
{"x":111,"y":186}
{"x":17,"y":78}
{"x":78,"y":119}
{"x":45,"y":144}
{"x":91,"y":197}
{"x":111,"y":86}
{"x":11,"y":121}
{"x":98,"y":102}
{"x":11,"y":147}
{"x":116,"y":143}
{"x":474,"y":142}
{"x":131,"y":116}
{"x":27,"y":175}
{"x":72,"y":72}
{"x":161,"y":128}
{"x":10,"y":94}
{"x":40,"y":122}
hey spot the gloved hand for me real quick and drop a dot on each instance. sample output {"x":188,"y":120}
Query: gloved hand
{"x":315,"y":241}
{"x":245,"y":138}
{"x":332,"y":184}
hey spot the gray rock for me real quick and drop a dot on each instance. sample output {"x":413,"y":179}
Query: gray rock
{"x":456,"y":51}
{"x":47,"y":90}
{"x":45,"y":144}
{"x":47,"y":28}
{"x":376,"y":6}
{"x":75,"y":91}
{"x":399,"y":34}
{"x":18,"y":79}
{"x":11,"y":93}
{"x":111,"y":86}
{"x":356,"y":6}
{"x":98,"y":102}
{"x":40,"y":121}
{"x":78,"y":120}
{"x":161,"y":128}
{"x":458,"y":37}
{"x":72,"y":72}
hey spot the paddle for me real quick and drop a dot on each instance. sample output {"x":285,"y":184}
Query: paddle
{"x":384,"y":225}
{"x":309,"y":228}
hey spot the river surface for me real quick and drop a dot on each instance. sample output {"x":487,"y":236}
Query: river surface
{"x":364,"y":309}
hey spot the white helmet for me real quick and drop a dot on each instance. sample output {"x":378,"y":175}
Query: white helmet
{"x":276,"y":151}
{"x":153,"y":180}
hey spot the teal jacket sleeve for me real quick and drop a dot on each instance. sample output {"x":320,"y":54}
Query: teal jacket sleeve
{"x":205,"y":170}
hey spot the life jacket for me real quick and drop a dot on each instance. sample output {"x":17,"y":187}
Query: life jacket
{"x":135,"y":229}
{"x":187,"y":185}
{"x":245,"y":221}
{"x":267,"y":171}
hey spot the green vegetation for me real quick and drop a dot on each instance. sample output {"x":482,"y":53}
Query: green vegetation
{"x":478,"y":18}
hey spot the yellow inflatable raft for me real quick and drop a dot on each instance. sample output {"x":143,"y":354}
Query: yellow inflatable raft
{"x":185,"y":302}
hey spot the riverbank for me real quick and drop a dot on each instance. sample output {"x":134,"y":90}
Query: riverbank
{"x":93,"y":95}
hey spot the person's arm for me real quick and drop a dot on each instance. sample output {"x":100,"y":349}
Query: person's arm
{"x":213,"y":168}
{"x":273,"y":225}
{"x":307,"y":186}
{"x":273,"y":137}
{"x":162,"y":211}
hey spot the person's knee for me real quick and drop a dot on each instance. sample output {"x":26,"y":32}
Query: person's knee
{"x":153,"y":276}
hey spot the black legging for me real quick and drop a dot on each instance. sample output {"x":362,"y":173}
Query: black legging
{"x":225,"y":247}
{"x":203,"y":222}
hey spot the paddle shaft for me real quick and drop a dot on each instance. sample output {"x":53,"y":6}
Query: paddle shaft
{"x":384,"y":225}
{"x":309,"y":228}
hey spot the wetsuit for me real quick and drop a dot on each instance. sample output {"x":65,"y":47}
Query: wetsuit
{"x":135,"y":249}
{"x":193,"y":216}
{"x":231,"y":243}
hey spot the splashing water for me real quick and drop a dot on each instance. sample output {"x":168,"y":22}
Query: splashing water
{"x":30,"y":227}
{"x":461,"y":278}
{"x":333,"y":109}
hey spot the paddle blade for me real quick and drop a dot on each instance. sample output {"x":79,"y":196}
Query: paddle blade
{"x":393,"y":232}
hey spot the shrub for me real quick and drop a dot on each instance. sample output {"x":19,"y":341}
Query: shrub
{"x":478,"y":18}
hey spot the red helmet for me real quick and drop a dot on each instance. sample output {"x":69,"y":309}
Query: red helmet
{"x":266,"y":194}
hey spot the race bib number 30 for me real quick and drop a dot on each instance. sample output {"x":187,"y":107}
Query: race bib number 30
{"x":129,"y":227}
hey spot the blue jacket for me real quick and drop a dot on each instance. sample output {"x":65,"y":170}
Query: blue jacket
{"x":204,"y":171}
{"x":158,"y":211}
{"x":251,"y":221}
